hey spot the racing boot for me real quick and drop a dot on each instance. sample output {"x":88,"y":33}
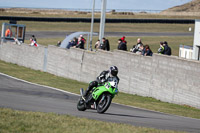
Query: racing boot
{"x":91,"y":85}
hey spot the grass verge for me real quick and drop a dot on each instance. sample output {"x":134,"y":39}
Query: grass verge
{"x":73,"y":86}
{"x":36,"y":122}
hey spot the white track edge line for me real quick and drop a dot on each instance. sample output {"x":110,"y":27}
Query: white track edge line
{"x":38,"y":84}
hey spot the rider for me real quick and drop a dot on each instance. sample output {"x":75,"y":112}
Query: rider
{"x":109,"y":75}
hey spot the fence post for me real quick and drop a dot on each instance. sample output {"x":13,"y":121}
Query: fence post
{"x":45,"y":59}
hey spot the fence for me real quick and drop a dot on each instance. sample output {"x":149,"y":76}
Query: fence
{"x":97,"y":20}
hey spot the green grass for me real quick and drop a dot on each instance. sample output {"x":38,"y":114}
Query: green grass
{"x":153,"y":42}
{"x":44,"y":78}
{"x":74,"y":86}
{"x":13,"y":121}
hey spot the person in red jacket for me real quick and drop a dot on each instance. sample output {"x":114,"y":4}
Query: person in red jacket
{"x":123,"y":39}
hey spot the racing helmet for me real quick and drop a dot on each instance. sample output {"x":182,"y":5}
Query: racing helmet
{"x":113,"y":71}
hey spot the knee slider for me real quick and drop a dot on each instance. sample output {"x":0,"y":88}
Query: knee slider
{"x":94,"y":83}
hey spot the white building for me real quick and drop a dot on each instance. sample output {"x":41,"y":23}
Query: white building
{"x":190,"y":52}
{"x":196,"y":43}
{"x":186,"y":51}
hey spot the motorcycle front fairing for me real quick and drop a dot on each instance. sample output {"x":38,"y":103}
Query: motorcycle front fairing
{"x":108,"y":87}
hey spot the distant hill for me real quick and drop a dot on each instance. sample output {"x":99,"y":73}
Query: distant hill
{"x":193,"y":6}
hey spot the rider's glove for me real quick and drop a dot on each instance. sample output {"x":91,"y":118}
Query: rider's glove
{"x":101,"y":78}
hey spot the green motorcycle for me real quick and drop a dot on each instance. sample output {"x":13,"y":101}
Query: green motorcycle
{"x":99,"y":98}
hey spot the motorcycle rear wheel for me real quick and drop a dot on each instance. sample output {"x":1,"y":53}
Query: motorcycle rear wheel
{"x":81,"y":105}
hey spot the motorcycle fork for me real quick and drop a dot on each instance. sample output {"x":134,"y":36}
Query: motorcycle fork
{"x":103,"y":97}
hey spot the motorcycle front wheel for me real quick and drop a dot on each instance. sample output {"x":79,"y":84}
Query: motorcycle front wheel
{"x":104,"y":103}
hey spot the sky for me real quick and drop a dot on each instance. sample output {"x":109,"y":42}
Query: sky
{"x":87,"y":4}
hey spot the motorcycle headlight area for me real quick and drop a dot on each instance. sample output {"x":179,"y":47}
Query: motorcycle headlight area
{"x":107,"y":86}
{"x":113,"y":84}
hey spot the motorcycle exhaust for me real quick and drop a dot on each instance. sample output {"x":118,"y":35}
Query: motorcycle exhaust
{"x":82,"y":91}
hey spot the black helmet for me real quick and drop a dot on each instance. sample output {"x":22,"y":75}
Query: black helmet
{"x":113,"y":71}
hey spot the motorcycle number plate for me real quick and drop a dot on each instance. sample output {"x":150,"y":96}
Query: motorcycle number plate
{"x":107,"y":86}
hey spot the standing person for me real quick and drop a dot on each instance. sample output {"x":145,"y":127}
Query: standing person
{"x":105,"y":45}
{"x":33,"y":38}
{"x":123,"y":39}
{"x":161,"y":49}
{"x":167,"y":49}
{"x":137,"y":46}
{"x":97,"y":45}
{"x":122,"y":45}
{"x":58,"y":43}
{"x":80,"y":43}
{"x":8,"y":33}
{"x":83,"y":39}
{"x":33,"y":41}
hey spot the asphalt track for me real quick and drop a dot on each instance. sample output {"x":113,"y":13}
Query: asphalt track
{"x":21,"y":95}
{"x":54,"y":34}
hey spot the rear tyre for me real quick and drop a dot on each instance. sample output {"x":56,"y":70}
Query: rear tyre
{"x":104,"y":103}
{"x":81,"y":105}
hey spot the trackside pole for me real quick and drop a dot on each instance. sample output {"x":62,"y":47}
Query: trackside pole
{"x":102,"y":23}
{"x":92,"y":23}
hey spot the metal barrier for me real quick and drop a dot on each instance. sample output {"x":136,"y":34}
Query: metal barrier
{"x":97,"y":20}
{"x":12,"y":32}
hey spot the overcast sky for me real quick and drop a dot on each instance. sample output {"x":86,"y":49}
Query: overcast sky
{"x":87,"y":4}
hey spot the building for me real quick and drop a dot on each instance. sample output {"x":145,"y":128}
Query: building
{"x":196,"y":44}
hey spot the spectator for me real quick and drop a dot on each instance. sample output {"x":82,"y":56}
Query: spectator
{"x":147,"y":51}
{"x":105,"y":45}
{"x":137,"y":46}
{"x":161,"y":49}
{"x":167,"y":49}
{"x":83,"y":39}
{"x":17,"y":41}
{"x":33,"y":41}
{"x":72,"y":43}
{"x":141,"y":49}
{"x":80,"y":43}
{"x":33,"y":38}
{"x":75,"y":41}
{"x":123,"y":39}
{"x":8,"y":33}
{"x":59,"y":43}
{"x":122,"y":45}
{"x":97,"y":45}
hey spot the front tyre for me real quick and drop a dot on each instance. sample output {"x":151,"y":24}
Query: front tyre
{"x":81,"y":105}
{"x":104,"y":103}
